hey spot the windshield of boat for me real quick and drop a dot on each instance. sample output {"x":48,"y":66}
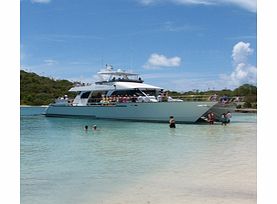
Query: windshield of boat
{"x":137,"y":92}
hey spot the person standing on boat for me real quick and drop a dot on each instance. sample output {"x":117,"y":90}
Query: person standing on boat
{"x":166,"y":96}
{"x":172,"y":122}
{"x":159,"y":98}
{"x":213,"y":97}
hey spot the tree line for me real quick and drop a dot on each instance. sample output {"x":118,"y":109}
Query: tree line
{"x":248,"y":93}
{"x":40,"y":90}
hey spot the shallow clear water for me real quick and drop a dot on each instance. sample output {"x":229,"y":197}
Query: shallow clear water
{"x":136,"y":162}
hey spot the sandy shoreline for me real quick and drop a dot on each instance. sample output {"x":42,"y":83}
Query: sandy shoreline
{"x":175,"y":188}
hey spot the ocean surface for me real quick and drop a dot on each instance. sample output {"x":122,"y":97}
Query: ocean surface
{"x":136,"y":162}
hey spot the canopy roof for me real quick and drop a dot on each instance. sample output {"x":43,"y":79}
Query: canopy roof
{"x":112,"y":86}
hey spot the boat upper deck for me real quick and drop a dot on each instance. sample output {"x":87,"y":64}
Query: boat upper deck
{"x":114,"y":85}
{"x":115,"y":79}
{"x":110,"y":75}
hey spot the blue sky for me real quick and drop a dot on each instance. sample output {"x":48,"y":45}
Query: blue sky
{"x":176,"y":44}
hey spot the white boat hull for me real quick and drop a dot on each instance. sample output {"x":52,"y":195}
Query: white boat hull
{"x":183,"y":112}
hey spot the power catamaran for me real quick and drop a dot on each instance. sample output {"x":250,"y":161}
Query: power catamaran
{"x":124,"y":95}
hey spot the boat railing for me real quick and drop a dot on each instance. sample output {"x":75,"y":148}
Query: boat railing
{"x":120,"y":80}
{"x":193,"y":97}
{"x":79,"y":84}
{"x":215,"y":98}
{"x":150,"y":99}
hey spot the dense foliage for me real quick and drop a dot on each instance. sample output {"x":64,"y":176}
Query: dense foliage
{"x":39,"y":90}
{"x":250,"y":95}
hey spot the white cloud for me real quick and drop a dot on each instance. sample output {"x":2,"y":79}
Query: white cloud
{"x":240,"y":52}
{"x":157,"y":61}
{"x":41,"y":1}
{"x":250,"y":5}
{"x":243,"y":72}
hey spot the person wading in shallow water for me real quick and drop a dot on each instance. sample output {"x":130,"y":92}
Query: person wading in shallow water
{"x":211,"y":118}
{"x":224,"y":119}
{"x":228,"y":116}
{"x":172,"y":122}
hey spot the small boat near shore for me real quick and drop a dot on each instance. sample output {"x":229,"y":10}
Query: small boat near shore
{"x":124,"y":95}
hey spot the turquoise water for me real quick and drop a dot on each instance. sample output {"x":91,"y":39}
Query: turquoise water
{"x":136,"y":162}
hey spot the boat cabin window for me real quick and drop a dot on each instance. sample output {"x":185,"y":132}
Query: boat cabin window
{"x":150,"y":92}
{"x":127,"y":92}
{"x":85,"y":94}
{"x":96,"y":96}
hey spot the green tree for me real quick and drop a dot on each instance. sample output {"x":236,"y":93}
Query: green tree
{"x":40,"y":90}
